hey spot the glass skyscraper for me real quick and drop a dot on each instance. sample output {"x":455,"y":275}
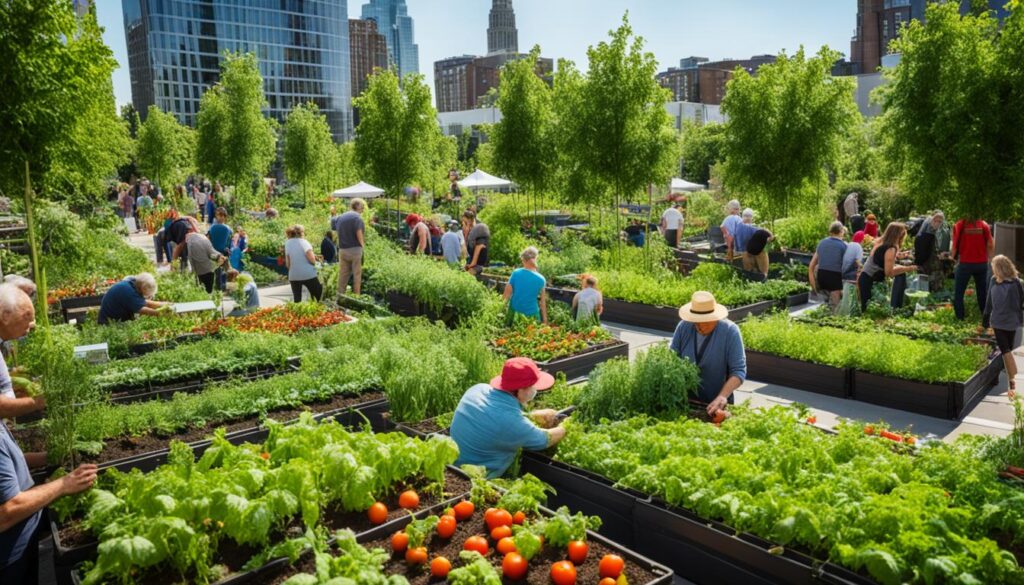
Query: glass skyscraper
{"x":394,"y":22}
{"x":175,"y":47}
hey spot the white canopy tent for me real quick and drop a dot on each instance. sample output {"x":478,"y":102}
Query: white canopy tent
{"x":482,"y":180}
{"x":360,"y":189}
{"x":682,"y":186}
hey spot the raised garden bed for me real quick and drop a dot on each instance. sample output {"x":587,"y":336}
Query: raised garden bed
{"x":406,"y":306}
{"x":583,"y":363}
{"x":270,"y":262}
{"x":696,"y":549}
{"x":784,"y":371}
{"x":126,"y":394}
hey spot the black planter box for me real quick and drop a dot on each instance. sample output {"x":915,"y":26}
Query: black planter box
{"x":581,"y":364}
{"x":740,"y":313}
{"x":269,"y":262}
{"x":784,"y":371}
{"x":191,"y":385}
{"x":588,"y":493}
{"x":951,"y":400}
{"x":799,"y":257}
{"x":798,"y":299}
{"x":77,"y":304}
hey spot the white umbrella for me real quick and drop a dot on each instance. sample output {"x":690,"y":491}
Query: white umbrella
{"x":680,"y":185}
{"x":360,"y":189}
{"x":482,"y":180}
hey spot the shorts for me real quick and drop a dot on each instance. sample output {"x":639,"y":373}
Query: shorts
{"x":1005,"y":339}
{"x":830,"y":280}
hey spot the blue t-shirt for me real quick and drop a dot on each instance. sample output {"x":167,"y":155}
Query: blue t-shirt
{"x":830,"y":254}
{"x":742,"y":236}
{"x":490,"y":427}
{"x":121,"y":302}
{"x":526,"y":288}
{"x":723,"y":355}
{"x":451,"y":247}
{"x":220,"y":236}
{"x":14,"y":479}
{"x":730,"y":224}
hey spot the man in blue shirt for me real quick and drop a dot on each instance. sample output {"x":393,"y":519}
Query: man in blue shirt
{"x":826,"y":269}
{"x":131,"y":296}
{"x":21,"y":502}
{"x":525,"y":289}
{"x":490,"y":426}
{"x":220,"y":237}
{"x":711,"y":341}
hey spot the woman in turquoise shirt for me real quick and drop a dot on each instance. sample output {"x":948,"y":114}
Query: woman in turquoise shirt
{"x":525,"y":289}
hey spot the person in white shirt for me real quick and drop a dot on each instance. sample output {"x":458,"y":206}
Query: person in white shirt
{"x":672,"y":225}
{"x":588,"y":303}
{"x":729,"y":225}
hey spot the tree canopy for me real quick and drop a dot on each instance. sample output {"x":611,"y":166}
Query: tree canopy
{"x":954,"y":110}
{"x":308,"y":147}
{"x":165,"y":148}
{"x":784,"y":126}
{"x":701,"y":149}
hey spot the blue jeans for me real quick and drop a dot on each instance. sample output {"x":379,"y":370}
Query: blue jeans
{"x":961,"y":276}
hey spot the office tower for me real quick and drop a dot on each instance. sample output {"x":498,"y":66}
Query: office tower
{"x":393,"y":21}
{"x":369,"y":52}
{"x":502,"y":36}
{"x":175,"y":48}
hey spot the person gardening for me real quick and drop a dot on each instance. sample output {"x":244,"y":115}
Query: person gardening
{"x":478,"y":242}
{"x":490,"y":425}
{"x":245,"y":287}
{"x":588,"y":304}
{"x":826,"y":269}
{"x":973,"y":245}
{"x":672,"y":225}
{"x":351,"y":231}
{"x":525,"y":292}
{"x":419,"y":234}
{"x":708,"y":339}
{"x":453,"y":245}
{"x":132,"y":296}
{"x":882,"y":263}
{"x":729,"y":227}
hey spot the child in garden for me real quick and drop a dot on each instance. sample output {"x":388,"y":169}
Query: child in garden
{"x":1004,"y":313}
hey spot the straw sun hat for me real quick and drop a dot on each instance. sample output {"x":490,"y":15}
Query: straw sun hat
{"x":702,"y":308}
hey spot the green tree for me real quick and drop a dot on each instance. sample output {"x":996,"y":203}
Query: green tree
{"x":308,"y":147}
{"x":165,"y":148}
{"x":612,"y":121}
{"x":235,"y":142}
{"x":701,"y":149}
{"x":443,"y":158}
{"x":954,"y":110}
{"x":523,"y":143}
{"x":784,"y":126}
{"x":397,"y":131}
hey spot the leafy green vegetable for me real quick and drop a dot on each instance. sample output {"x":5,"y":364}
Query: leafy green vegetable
{"x":476,"y":570}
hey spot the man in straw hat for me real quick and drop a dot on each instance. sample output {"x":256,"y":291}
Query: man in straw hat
{"x":490,"y":425}
{"x":706,"y":337}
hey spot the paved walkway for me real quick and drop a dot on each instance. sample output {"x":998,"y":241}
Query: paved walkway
{"x":992,"y":416}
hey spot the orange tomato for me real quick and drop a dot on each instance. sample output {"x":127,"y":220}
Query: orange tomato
{"x":477,"y":543}
{"x":378,"y":513}
{"x":409,"y":500}
{"x":416,"y":556}
{"x":506,"y":545}
{"x":519,"y":517}
{"x":399,"y":542}
{"x":494,"y":518}
{"x":608,"y":581}
{"x":578,"y":552}
{"x":611,"y":566}
{"x":464,"y":510}
{"x":439,"y":567}
{"x":514,"y":566}
{"x":446,"y":526}
{"x":563,"y":573}
{"x":500,"y":532}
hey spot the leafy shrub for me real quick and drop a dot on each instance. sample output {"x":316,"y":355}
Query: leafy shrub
{"x":802,"y":232}
{"x":657,"y":383}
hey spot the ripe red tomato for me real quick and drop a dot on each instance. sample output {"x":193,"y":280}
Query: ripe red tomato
{"x":464,"y":510}
{"x":399,"y":542}
{"x":500,"y":532}
{"x":439,"y":567}
{"x":409,"y":500}
{"x":446,"y":526}
{"x":514,"y":566}
{"x":611,"y":566}
{"x":377,"y":513}
{"x":477,"y":543}
{"x":519,"y":517}
{"x":608,"y":581}
{"x":495,"y":518}
{"x":563,"y":573}
{"x":578,"y":552}
{"x":416,"y":556}
{"x":506,"y":545}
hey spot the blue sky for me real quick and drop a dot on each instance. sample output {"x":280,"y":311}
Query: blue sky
{"x":565,"y":28}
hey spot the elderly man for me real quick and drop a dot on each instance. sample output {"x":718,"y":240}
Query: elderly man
{"x":22,"y":503}
{"x":706,"y":337}
{"x":729,"y":227}
{"x":16,"y":396}
{"x":132,"y":296}
{"x":490,"y":425}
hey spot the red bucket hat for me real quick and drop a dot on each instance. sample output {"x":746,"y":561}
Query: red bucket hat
{"x":519,"y":373}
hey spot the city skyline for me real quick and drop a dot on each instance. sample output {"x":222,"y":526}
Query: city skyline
{"x":674,"y":29}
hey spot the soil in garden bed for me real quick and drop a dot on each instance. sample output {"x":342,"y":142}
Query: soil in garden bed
{"x":455,"y":485}
{"x":31,"y":439}
{"x":427,"y":426}
{"x":124,"y":447}
{"x":198,"y":381}
{"x":73,"y":534}
{"x":538,"y":574}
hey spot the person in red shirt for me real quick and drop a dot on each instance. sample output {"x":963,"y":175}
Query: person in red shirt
{"x":871,"y":227}
{"x":972,"y":248}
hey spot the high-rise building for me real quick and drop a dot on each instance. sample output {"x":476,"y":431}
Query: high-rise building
{"x":879,"y":23}
{"x":502,"y":36}
{"x":699,"y":80}
{"x":393,"y":21}
{"x":81,"y":7}
{"x":368,"y":50}
{"x":175,"y":48}
{"x":682,"y":80}
{"x":452,"y":82}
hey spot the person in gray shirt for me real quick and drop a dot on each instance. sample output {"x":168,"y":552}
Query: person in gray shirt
{"x":1004,"y":313}
{"x":453,"y":246}
{"x":203,"y":258}
{"x":351,"y":241}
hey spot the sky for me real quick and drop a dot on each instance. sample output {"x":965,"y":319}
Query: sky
{"x":673,"y":29}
